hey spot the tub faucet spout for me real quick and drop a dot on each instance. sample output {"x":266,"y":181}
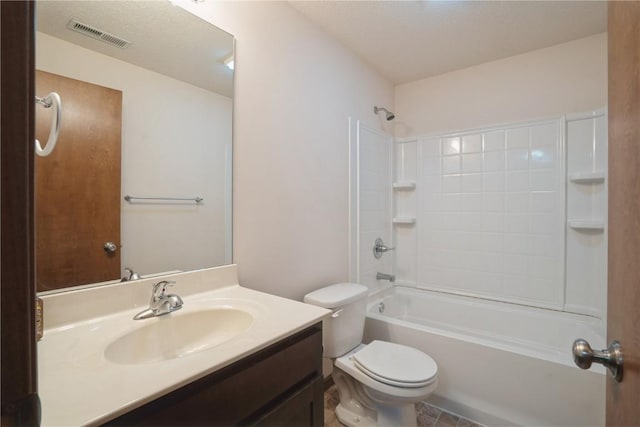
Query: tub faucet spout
{"x":383,"y":276}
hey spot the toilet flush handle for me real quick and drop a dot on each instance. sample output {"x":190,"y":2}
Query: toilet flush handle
{"x":336,"y":313}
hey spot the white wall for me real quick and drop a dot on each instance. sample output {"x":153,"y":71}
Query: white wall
{"x":174,"y":139}
{"x":295,"y":89}
{"x":566,"y":78}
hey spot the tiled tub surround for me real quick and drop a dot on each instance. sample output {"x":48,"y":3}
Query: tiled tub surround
{"x":489,"y":208}
{"x":492,"y":208}
{"x":79,"y":386}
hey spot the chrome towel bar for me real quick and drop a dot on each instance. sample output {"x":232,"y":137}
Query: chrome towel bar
{"x":129,"y":199}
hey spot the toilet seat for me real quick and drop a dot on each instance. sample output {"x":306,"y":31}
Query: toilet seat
{"x":395,"y":364}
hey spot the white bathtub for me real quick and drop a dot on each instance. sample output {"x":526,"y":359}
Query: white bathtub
{"x":498,"y":363}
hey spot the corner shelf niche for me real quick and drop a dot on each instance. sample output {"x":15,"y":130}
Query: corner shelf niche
{"x":595,"y":177}
{"x":404,"y":220}
{"x":404,"y":185}
{"x":586,"y":224}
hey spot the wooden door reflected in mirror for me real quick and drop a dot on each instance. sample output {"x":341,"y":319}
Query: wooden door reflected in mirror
{"x":77,"y":186}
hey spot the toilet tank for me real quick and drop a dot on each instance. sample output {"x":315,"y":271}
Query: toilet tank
{"x":343,"y":329}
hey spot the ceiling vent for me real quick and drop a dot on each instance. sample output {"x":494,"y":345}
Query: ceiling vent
{"x":98,"y":34}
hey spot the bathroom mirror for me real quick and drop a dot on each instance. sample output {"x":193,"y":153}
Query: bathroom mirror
{"x":147,"y":100}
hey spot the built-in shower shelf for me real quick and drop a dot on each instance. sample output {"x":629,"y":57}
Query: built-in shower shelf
{"x":406,"y":220}
{"x":594,"y":177}
{"x":404,"y":185}
{"x":586,"y":224}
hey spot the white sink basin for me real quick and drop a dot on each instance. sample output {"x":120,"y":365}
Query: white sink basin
{"x":177,"y":335}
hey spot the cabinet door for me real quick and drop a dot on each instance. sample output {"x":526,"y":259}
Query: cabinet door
{"x":304,"y":408}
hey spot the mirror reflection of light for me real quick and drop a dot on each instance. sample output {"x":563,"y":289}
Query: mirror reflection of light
{"x":229,"y":62}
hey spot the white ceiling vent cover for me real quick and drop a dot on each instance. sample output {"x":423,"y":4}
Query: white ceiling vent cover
{"x":98,"y":34}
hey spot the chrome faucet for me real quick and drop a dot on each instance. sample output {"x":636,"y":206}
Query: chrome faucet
{"x":132,"y":275}
{"x":383,"y":276}
{"x":161,"y":302}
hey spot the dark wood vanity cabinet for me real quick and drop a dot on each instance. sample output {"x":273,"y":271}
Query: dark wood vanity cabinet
{"x":281,"y":385}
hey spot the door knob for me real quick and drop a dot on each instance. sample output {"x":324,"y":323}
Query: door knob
{"x":110,"y":247}
{"x":610,"y":357}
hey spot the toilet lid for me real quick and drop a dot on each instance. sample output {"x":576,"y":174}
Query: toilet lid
{"x":396,"y":364}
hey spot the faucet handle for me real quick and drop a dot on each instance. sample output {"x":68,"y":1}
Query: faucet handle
{"x":160,"y":288}
{"x":379,"y":248}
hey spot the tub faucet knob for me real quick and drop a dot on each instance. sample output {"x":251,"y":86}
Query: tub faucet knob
{"x":379,"y":248}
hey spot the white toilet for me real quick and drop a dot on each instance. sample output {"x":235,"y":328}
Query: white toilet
{"x":380,"y":382}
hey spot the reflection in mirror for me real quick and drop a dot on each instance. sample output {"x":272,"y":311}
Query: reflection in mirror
{"x":146,"y":93}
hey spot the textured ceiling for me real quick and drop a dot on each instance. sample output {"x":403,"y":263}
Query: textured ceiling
{"x":165,"y":38}
{"x":411,"y":40}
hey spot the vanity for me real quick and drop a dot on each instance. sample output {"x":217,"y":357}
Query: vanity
{"x":229,"y":356}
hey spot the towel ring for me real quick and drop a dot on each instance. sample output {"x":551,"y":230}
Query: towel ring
{"x":49,"y":100}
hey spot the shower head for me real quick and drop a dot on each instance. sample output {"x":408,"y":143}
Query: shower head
{"x":390,"y":116}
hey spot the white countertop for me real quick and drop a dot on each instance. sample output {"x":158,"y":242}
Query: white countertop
{"x":79,"y":386}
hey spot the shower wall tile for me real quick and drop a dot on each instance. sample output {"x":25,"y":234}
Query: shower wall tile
{"x":450,"y":146}
{"x":432,"y":166}
{"x":432,"y":184}
{"x":493,"y":181}
{"x":544,"y":202}
{"x":431,"y":147}
{"x":451,"y":184}
{"x":543,"y":180}
{"x":451,"y":202}
{"x":493,"y":141}
{"x":518,"y":181}
{"x":472,"y":143}
{"x":544,"y":136}
{"x":493,"y":202}
{"x":518,"y":159}
{"x":471,"y":183}
{"x":517,"y":223}
{"x":494,"y":161}
{"x":517,"y":138}
{"x":489,"y":214}
{"x":472,"y":162}
{"x":471,"y":202}
{"x":543,"y":157}
{"x":451,"y":164}
{"x":517,"y":202}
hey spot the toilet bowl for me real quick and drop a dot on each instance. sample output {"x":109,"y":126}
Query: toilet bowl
{"x":379,"y":382}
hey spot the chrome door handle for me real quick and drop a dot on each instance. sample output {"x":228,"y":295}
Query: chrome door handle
{"x":379,"y":248}
{"x":110,"y":247}
{"x":610,"y":357}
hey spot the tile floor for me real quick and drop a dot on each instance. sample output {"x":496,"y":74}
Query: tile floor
{"x":428,"y":415}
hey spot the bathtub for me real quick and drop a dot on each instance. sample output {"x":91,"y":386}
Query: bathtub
{"x":498,"y":363}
